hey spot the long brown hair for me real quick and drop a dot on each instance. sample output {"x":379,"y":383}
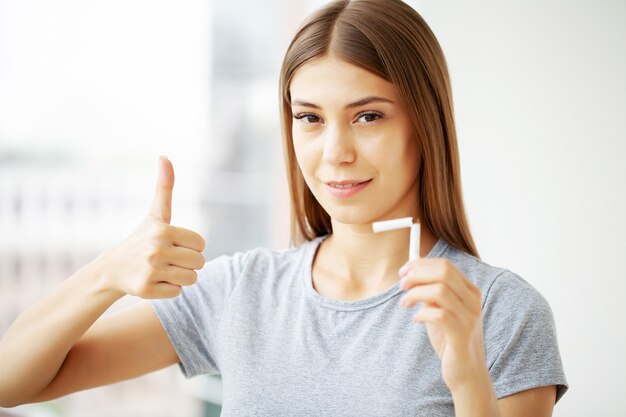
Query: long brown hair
{"x":389,"y":39}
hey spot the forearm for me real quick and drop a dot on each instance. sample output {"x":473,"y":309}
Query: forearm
{"x":476,"y":399}
{"x":33,"y":349}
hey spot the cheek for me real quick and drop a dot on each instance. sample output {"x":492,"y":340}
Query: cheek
{"x":400,"y":160}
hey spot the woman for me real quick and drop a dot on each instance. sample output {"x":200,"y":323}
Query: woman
{"x":341,"y":324}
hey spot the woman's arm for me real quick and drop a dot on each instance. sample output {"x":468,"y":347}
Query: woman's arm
{"x":452,"y":312}
{"x":535,"y":402}
{"x":117,"y":347}
{"x":478,"y":399}
{"x":52,"y":349}
{"x":55,"y":348}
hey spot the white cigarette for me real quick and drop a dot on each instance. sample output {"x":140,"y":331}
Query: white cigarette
{"x":392,"y":224}
{"x":414,"y":242}
{"x":404,"y":222}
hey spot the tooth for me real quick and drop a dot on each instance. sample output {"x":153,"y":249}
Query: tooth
{"x":343,"y":186}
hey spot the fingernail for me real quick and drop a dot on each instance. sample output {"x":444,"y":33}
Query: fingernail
{"x":162,"y":160}
{"x":404,"y":270}
{"x":402,"y":301}
{"x":401,"y":283}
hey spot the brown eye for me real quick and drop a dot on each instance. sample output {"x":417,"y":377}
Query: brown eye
{"x":307,"y":117}
{"x":369,"y":117}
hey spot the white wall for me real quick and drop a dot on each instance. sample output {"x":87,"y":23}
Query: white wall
{"x":113,"y":83}
{"x":90,"y":94}
{"x":539,"y":97}
{"x":539,"y":91}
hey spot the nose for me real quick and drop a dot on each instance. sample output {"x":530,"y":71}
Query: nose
{"x":338,"y":146}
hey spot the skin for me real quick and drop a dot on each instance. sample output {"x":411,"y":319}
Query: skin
{"x":370,"y":141}
{"x":334,"y":139}
{"x":79,"y":348}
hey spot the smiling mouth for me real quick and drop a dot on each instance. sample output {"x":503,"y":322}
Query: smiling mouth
{"x":346,"y":184}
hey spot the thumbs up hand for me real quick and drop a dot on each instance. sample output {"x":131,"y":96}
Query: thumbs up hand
{"x":157,"y":259}
{"x":162,"y":204}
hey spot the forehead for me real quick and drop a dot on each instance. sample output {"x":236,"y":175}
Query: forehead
{"x":329,"y":78}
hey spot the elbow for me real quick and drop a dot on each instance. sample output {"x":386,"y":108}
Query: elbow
{"x":8,"y":403}
{"x":9,"y":399}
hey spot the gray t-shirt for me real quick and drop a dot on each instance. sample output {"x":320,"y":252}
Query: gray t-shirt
{"x":283,"y":349}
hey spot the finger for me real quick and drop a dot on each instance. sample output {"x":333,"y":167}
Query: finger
{"x":187,"y":239}
{"x":180,"y":276}
{"x":438,"y":294}
{"x":438,"y":316}
{"x":167,"y":290}
{"x":185,"y":258}
{"x":430,"y":271}
{"x":164,"y":290}
{"x":162,"y":203}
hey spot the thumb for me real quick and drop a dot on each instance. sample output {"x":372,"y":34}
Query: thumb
{"x":162,"y":202}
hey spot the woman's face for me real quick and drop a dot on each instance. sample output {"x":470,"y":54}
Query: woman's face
{"x":349,"y":127}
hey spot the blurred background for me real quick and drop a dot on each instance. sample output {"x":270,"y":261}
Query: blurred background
{"x":92,"y":92}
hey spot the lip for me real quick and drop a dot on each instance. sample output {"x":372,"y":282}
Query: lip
{"x":345,"y":192}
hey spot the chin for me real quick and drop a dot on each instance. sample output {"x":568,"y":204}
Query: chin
{"x":350,"y":214}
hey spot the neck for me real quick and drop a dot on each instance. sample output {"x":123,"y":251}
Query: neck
{"x":362,"y":259}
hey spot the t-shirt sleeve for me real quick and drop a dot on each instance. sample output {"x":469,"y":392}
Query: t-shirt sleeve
{"x":520,"y":338}
{"x":191,"y":320}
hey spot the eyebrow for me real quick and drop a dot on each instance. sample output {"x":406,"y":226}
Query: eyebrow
{"x":357,"y":103}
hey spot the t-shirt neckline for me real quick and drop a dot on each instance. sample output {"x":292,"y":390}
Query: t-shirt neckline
{"x":436,"y":251}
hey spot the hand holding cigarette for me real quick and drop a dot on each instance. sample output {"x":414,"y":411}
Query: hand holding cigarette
{"x":451,"y":308}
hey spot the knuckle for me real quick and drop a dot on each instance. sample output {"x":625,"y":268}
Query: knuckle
{"x":446,"y":267}
{"x":152,"y":275}
{"x":200,"y":262}
{"x":477,"y":291}
{"x":155,"y":254}
{"x":160,"y":231}
{"x":176,"y":290}
{"x":441,"y":290}
{"x":193,"y":277}
{"x":141,"y":289}
{"x":407,"y":298}
{"x":441,"y":315}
